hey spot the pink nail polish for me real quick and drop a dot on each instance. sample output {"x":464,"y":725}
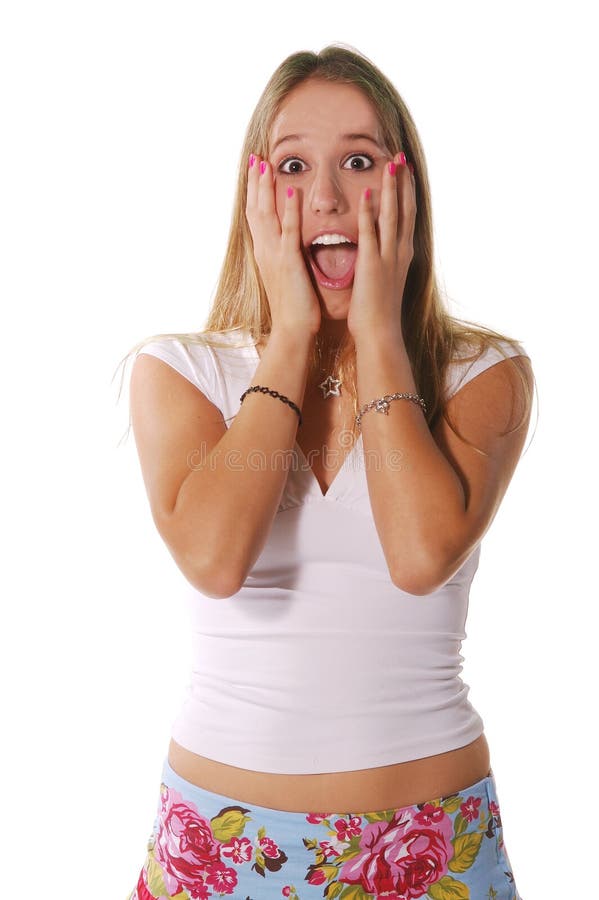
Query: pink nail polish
{"x":367,"y":193}
{"x":290,"y":192}
{"x":252,"y":160}
{"x":262,"y":167}
{"x":402,"y":158}
{"x":392,"y":168}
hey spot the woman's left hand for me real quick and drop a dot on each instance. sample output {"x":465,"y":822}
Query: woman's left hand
{"x":383,"y":261}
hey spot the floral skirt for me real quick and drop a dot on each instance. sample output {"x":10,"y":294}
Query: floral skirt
{"x":207,"y":845}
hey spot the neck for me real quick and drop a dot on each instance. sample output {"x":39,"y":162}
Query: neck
{"x":331,"y":334}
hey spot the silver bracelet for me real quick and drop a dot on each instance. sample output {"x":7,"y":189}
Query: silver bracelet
{"x":382,"y":404}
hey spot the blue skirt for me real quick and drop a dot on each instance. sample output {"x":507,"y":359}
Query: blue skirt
{"x":208,"y":845}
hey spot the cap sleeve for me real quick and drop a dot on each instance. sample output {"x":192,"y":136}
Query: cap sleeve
{"x":460,"y":372}
{"x":194,"y":361}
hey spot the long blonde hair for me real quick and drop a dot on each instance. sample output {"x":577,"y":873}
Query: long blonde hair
{"x":433,"y":337}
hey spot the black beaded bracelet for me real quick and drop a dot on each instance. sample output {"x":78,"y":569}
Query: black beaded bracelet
{"x":265,"y":390}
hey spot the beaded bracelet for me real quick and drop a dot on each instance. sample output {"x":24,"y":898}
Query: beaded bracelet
{"x":382,"y":404}
{"x":265,"y":390}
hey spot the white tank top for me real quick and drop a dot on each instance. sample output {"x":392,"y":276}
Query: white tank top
{"x":320,"y":663}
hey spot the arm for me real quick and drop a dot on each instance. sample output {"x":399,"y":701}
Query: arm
{"x":214,"y":492}
{"x":215,"y":517}
{"x":433,"y":509}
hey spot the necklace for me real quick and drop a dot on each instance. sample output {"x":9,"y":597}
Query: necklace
{"x":331,"y":386}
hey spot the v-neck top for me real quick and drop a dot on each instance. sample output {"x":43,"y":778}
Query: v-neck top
{"x":319,"y":663}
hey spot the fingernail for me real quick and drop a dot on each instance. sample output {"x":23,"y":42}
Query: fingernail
{"x":392,"y":168}
{"x":367,"y":193}
{"x":262,"y":167}
{"x":290,"y":192}
{"x":402,"y":158}
{"x":252,"y":160}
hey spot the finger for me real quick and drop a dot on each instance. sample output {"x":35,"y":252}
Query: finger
{"x":252,"y":189}
{"x":367,"y":240}
{"x":266,"y":199}
{"x":290,"y":224}
{"x":388,"y":215}
{"x":406,"y":205}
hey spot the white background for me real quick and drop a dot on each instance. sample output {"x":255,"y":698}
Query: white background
{"x":122,"y":125}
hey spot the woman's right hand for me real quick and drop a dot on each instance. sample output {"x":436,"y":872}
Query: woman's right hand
{"x":294,"y":306}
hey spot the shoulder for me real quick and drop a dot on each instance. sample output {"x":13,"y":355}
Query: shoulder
{"x":470,"y":361}
{"x":207,"y":359}
{"x":488,"y":396}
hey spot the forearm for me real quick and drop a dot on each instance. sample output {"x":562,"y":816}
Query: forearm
{"x":417,"y":498}
{"x":229,"y":500}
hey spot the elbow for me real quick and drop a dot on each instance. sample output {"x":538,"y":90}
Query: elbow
{"x":218,"y":577}
{"x":414,"y":583}
{"x":203,"y":567}
{"x":215,"y":582}
{"x":419,"y":580}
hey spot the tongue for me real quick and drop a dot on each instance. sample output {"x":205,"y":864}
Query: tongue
{"x":334,"y":261}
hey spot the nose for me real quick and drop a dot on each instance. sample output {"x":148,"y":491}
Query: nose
{"x":326,"y":195}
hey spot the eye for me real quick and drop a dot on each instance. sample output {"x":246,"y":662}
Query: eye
{"x":360,"y":156}
{"x":291,"y":160}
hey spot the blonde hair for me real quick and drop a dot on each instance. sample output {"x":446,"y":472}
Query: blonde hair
{"x":433,"y":337}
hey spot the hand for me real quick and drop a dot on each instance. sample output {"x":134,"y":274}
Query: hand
{"x":294,"y":306}
{"x":382,"y":262}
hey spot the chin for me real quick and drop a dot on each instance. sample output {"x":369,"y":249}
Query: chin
{"x":334,"y":304}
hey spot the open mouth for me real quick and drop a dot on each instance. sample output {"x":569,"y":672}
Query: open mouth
{"x":333,"y":264}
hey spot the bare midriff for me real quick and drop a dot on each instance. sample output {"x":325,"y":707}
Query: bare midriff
{"x":359,"y":791}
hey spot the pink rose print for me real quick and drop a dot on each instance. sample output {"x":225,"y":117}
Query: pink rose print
{"x":142,"y":892}
{"x":494,"y":810}
{"x":317,"y":876}
{"x":269,"y":848}
{"x":346,"y":830}
{"x":222,"y":879}
{"x":317,"y":818}
{"x":403,"y":857}
{"x":188,"y":852}
{"x":430,"y":814}
{"x":469,"y":809}
{"x":239,"y":849}
{"x":328,"y":849}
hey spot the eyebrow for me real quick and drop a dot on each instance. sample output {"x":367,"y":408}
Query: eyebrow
{"x":358,"y":136}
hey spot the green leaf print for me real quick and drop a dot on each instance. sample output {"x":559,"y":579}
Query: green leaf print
{"x":452,"y":804}
{"x":465,"y":851}
{"x":449,"y":889}
{"x":354,"y":892}
{"x":259,"y":863}
{"x":384,"y":815}
{"x":333,"y":890}
{"x":230,"y":822}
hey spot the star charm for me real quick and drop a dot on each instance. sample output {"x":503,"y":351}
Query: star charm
{"x":330,"y":387}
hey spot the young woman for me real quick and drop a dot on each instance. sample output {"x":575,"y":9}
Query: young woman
{"x":322,"y":462}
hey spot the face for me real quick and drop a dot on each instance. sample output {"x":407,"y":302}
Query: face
{"x":326,"y":143}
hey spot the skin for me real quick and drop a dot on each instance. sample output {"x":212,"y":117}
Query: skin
{"x":329,"y":176}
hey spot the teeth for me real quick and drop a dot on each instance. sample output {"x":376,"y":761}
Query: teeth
{"x":331,"y":239}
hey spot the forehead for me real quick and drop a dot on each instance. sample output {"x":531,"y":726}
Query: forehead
{"x":319,"y":109}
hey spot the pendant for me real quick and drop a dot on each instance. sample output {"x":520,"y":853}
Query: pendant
{"x":330,"y":387}
{"x":382,"y":406}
